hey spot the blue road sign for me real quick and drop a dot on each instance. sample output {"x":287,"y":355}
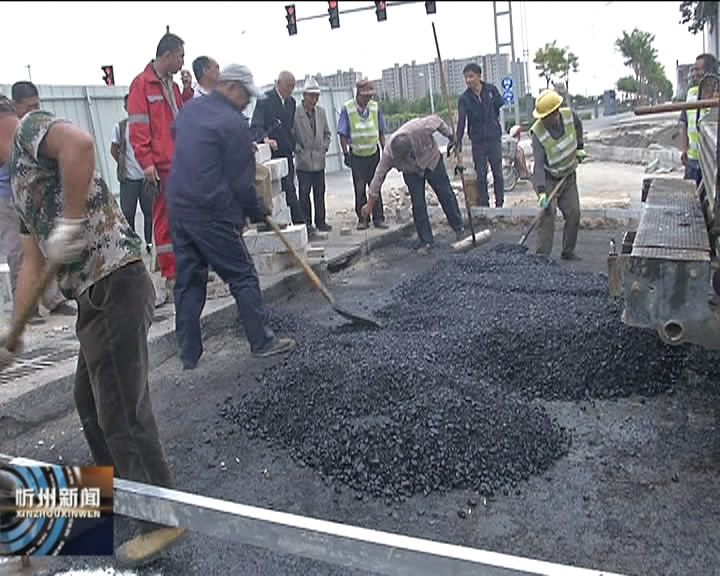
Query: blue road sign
{"x":507,"y":83}
{"x":508,"y":96}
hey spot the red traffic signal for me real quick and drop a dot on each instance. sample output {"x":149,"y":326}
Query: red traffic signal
{"x":291,"y":21}
{"x":108,"y":75}
{"x":334,"y":14}
{"x":381,"y":10}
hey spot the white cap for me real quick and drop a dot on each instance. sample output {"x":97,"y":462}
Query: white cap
{"x":240,"y":74}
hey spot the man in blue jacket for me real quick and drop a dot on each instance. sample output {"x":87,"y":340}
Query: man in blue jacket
{"x":211,"y":192}
{"x":480,"y":106}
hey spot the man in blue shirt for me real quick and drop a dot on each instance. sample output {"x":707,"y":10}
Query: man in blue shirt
{"x":211,"y":191}
{"x":480,"y":106}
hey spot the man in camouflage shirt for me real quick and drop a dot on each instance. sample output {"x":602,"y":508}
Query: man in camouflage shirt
{"x":69,"y":218}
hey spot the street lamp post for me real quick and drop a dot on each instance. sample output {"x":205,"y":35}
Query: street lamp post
{"x":430,"y":90}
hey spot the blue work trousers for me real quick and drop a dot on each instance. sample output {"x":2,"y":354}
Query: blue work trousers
{"x":440,"y":183}
{"x":220,"y":245}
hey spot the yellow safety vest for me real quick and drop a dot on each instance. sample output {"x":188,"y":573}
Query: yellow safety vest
{"x":692,"y":129}
{"x":364,"y":132}
{"x":560,"y":155}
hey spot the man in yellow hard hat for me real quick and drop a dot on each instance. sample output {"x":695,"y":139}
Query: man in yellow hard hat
{"x":557,"y":141}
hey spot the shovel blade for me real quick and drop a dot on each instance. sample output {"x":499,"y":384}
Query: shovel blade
{"x":356,"y":318}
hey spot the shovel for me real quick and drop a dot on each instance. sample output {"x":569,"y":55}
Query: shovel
{"x":535,"y":221}
{"x":356,"y":318}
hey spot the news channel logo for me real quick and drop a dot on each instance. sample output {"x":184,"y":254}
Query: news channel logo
{"x":56,"y":511}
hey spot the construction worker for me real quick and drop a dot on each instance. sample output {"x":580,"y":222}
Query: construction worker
{"x":153,"y":102}
{"x":361,"y":127}
{"x":206,"y":72}
{"x":211,"y":192}
{"x":557,"y":141}
{"x":413,"y":151}
{"x":272,"y":124}
{"x":479,"y":106}
{"x":689,"y":118}
{"x":313,"y":135}
{"x":69,"y":218}
{"x":25,"y":98}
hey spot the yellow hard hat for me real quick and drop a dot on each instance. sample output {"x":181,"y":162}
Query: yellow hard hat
{"x":547,"y":103}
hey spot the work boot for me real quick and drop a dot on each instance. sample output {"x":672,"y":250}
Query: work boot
{"x":381,"y":225}
{"x":324,"y":227}
{"x":459,"y":235}
{"x":275,"y":347}
{"x":146,"y":547}
{"x":363,"y":225}
{"x":424,"y":249}
{"x":570,"y":256}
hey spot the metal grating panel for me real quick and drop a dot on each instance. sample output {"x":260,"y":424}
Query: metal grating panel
{"x":672,"y":225}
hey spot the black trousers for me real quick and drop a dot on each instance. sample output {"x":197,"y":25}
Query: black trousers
{"x":315,"y":182}
{"x":111,"y":380}
{"x":363,"y":170}
{"x":132,"y":191}
{"x":288,"y":186}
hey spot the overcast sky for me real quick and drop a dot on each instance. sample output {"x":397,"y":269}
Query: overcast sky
{"x":69,"y":41}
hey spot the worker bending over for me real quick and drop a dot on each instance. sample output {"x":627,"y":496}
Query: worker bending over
{"x":557,"y":141}
{"x":211,"y":191}
{"x":413,"y":151}
{"x":69,"y":217}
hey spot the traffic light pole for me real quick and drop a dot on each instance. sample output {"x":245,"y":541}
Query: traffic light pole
{"x":513,"y":67}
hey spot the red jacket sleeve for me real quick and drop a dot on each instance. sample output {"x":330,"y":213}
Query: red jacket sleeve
{"x":139,"y":123}
{"x":187,"y":94}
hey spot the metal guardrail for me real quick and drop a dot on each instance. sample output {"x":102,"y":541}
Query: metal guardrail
{"x":339,"y":544}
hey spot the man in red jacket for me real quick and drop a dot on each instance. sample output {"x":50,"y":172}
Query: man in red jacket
{"x":154,"y":101}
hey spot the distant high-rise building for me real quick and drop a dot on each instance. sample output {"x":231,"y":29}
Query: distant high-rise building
{"x":413,"y":81}
{"x":341,"y":79}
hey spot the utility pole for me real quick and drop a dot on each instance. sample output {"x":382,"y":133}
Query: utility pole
{"x":29,"y":75}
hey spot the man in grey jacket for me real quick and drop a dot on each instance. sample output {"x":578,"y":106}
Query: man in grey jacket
{"x":312,"y":136}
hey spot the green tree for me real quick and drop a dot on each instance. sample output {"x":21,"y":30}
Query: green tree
{"x":551,"y":62}
{"x":640,"y":55}
{"x":628,"y":85}
{"x":697,"y":14}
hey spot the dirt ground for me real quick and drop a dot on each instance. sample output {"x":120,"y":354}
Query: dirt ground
{"x":637,"y":494}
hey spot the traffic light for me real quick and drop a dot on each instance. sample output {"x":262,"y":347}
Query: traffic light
{"x":430,"y":7}
{"x":108,"y":75}
{"x":381,"y":11}
{"x":291,"y":22}
{"x":334,"y":14}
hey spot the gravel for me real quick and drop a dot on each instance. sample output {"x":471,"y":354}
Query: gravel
{"x":446,"y":395}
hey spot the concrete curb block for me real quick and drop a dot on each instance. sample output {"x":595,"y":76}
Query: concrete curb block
{"x":520,"y":212}
{"x":38,"y":405}
{"x":625,"y":155}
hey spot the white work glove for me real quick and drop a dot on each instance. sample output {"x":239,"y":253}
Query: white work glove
{"x":67,"y":241}
{"x":7,"y":358}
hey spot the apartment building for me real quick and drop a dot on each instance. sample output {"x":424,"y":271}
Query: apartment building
{"x":414,"y":81}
